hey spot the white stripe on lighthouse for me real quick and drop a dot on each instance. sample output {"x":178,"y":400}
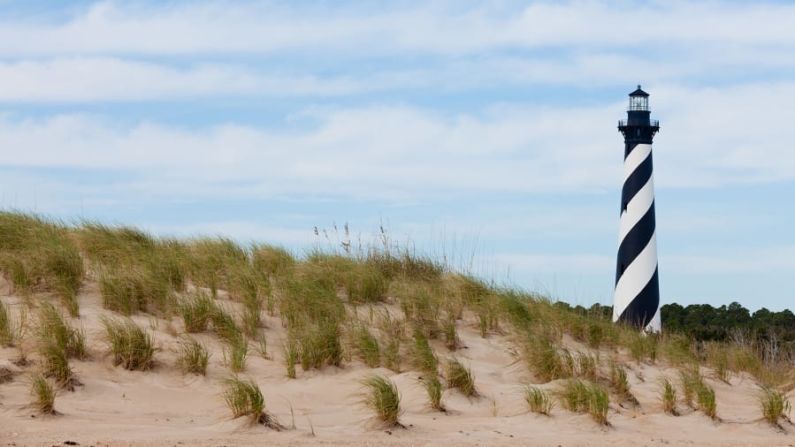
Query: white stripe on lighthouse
{"x":636,"y":209}
{"x":635,"y":158}
{"x":635,"y":277}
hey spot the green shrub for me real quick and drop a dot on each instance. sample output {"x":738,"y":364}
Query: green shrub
{"x":382,"y":396}
{"x":538,"y":400}
{"x":131,"y":346}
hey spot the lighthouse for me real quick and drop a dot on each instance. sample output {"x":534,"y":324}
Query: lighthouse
{"x":637,"y":289}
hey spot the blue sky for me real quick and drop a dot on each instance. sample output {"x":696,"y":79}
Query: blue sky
{"x":484,"y":132}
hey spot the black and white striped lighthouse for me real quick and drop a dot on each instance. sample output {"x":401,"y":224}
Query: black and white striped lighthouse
{"x":637,"y":292}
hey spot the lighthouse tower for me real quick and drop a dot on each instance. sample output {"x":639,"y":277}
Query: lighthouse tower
{"x":637,"y":292}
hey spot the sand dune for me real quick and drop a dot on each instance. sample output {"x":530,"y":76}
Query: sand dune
{"x":164,"y":407}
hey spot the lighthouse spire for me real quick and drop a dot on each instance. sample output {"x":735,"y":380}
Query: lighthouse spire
{"x":637,"y":291}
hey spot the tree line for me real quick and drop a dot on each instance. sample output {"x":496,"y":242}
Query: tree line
{"x":703,"y":322}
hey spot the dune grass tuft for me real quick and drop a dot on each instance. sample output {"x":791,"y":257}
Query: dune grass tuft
{"x":236,"y":353}
{"x":581,"y":397}
{"x":129,"y":290}
{"x":132,"y":347}
{"x":538,"y":400}
{"x":291,"y":356}
{"x":367,"y":346}
{"x":433,"y":387}
{"x":55,"y":363}
{"x":244,"y":398}
{"x":193,"y":357}
{"x":382,"y":396}
{"x":587,"y":366}
{"x":7,"y":329}
{"x":695,"y":388}
{"x":422,"y":355}
{"x":668,"y":396}
{"x":690,"y":380}
{"x":53,"y":329}
{"x":544,"y":360}
{"x":460,"y":377}
{"x":619,"y":381}
{"x":642,"y":346}
{"x":706,"y":400}
{"x":196,"y":311}
{"x":319,"y":345}
{"x":774,"y":404}
{"x":43,"y":394}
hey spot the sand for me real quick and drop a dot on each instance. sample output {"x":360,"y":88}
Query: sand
{"x":164,"y":407}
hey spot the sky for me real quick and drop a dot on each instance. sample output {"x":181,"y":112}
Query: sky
{"x":483,"y":133}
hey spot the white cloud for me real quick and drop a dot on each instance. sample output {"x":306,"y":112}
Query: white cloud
{"x":92,"y":79}
{"x":710,"y":138}
{"x":442,"y":27}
